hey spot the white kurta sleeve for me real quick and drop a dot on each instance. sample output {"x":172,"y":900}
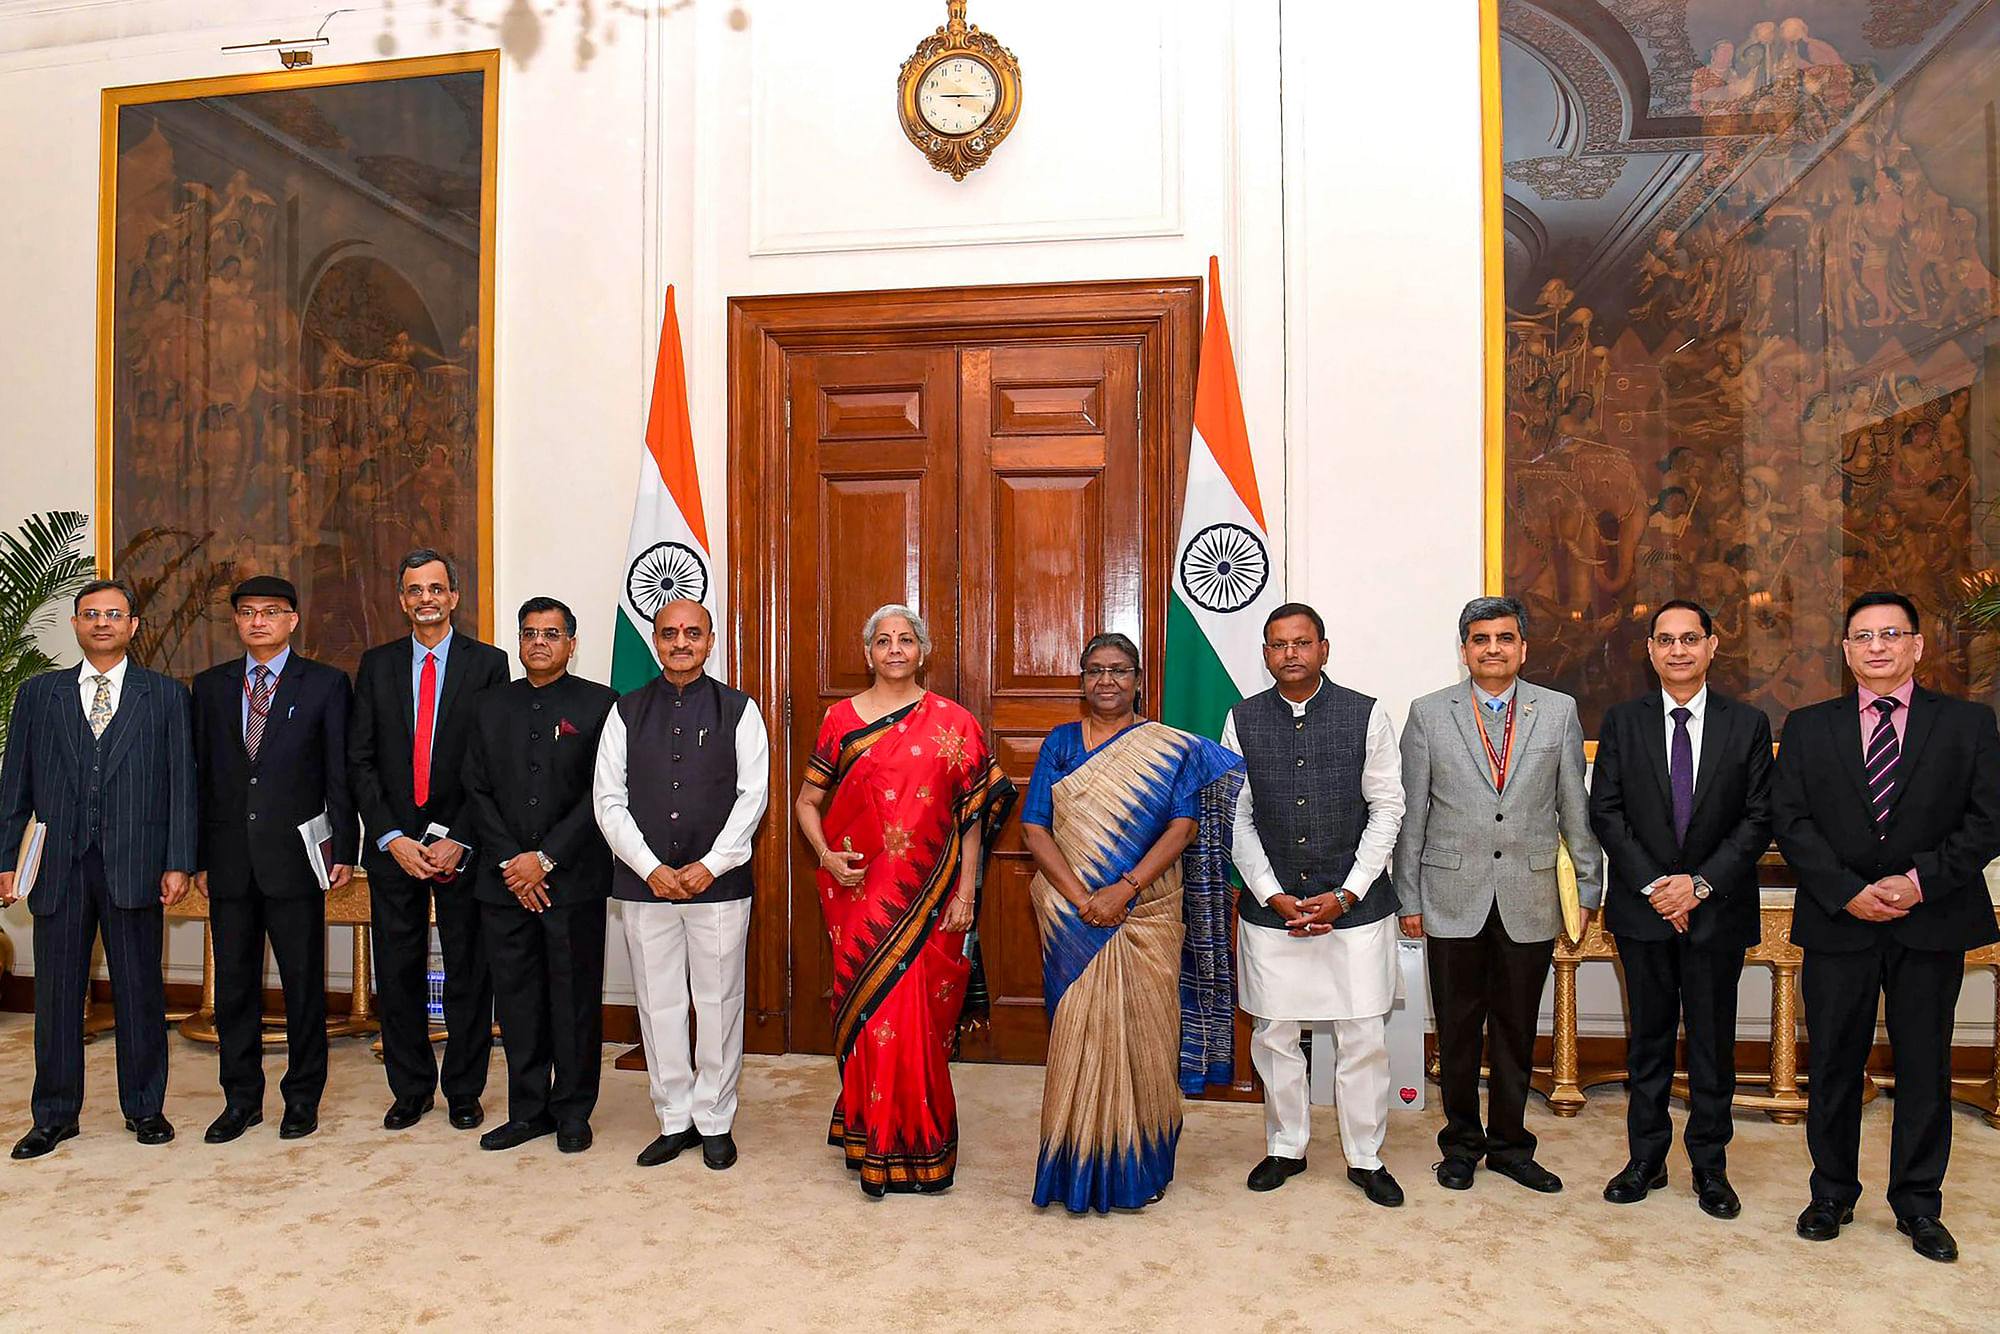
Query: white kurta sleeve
{"x":1246,"y":849}
{"x":753,"y":794}
{"x":1382,"y":789}
{"x":609,"y":798}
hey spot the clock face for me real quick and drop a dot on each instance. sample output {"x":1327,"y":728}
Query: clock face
{"x":958,"y":95}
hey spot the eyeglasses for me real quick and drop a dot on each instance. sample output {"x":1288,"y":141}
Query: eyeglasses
{"x":1302,"y":645}
{"x":112,"y":615}
{"x":263,"y":613}
{"x":1109,"y":673}
{"x":1692,"y":639}
{"x":692,"y":633}
{"x":552,"y":635}
{"x":1891,"y":636}
{"x":418,"y":590}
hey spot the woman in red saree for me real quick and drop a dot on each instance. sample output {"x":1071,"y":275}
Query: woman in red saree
{"x":899,"y":790}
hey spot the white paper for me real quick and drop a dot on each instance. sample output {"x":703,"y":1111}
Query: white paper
{"x":29,"y":864}
{"x":318,"y":835}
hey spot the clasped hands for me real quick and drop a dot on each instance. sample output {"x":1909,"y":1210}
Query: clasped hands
{"x":1673,"y":898}
{"x":681,"y":884}
{"x":1107,"y":905}
{"x":1886,"y":899}
{"x":1312,"y":916}
{"x":426,"y":863}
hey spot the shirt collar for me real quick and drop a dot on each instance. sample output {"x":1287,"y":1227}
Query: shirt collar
{"x":84,"y":673}
{"x":1696,"y":707}
{"x":417,"y":650}
{"x":277,"y":664}
{"x":1299,"y":709}
{"x":1504,"y":697}
{"x":1901,"y":694}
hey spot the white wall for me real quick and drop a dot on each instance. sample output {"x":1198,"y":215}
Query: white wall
{"x":745,"y":148}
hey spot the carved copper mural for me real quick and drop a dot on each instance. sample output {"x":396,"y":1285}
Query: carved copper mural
{"x":1749,"y":334}
{"x":297,"y":371}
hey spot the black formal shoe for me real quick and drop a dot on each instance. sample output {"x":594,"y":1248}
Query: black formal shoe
{"x":1715,"y":1195}
{"x":1635,"y":1181}
{"x":43,"y":1139}
{"x":1530,"y":1174}
{"x":574,"y":1138}
{"x":231,"y":1124}
{"x":1929,"y":1238}
{"x":406,"y":1112}
{"x":1455,"y":1173}
{"x":513,"y":1134}
{"x":874,"y":1190}
{"x":1271,"y":1173}
{"x":154,"y":1129}
{"x":1822,"y":1219}
{"x":666,"y":1148}
{"x":718,"y":1151}
{"x":466,"y":1113}
{"x":1377,"y":1185}
{"x":298,"y":1122}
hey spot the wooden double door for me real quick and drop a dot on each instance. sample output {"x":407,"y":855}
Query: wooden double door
{"x":1012,"y":480}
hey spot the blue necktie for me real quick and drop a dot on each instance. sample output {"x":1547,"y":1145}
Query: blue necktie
{"x":1680,"y":774}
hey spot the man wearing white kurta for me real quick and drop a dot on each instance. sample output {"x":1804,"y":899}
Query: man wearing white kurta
{"x":1315,"y":829}
{"x":683,"y":777}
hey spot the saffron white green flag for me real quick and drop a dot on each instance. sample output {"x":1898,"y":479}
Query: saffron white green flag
{"x":667,"y":555}
{"x":1226,"y":580}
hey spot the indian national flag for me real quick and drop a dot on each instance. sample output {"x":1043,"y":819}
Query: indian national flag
{"x":1225,"y":579}
{"x":667,"y":554}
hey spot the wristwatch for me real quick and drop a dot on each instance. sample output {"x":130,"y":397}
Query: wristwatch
{"x":1702,"y":889}
{"x":1345,"y":898}
{"x":548,"y":862}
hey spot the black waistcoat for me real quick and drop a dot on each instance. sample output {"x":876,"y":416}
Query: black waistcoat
{"x":680,"y":774}
{"x":1305,"y":781}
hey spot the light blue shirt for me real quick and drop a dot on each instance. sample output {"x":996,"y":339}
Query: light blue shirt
{"x":1497,"y":703}
{"x":417,"y":651}
{"x":277,"y":669}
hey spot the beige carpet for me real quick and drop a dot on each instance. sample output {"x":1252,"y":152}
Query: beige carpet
{"x":359,"y":1228}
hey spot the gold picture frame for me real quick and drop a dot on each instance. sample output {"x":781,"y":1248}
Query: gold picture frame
{"x":278,"y":402}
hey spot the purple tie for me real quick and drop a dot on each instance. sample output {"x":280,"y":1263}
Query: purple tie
{"x":1680,"y":775}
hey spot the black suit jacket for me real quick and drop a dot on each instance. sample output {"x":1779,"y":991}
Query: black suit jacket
{"x":383,"y":726}
{"x":147,"y":819}
{"x":1632,"y":811}
{"x":1945,"y":823}
{"x":251,"y":813}
{"x":528,"y":776}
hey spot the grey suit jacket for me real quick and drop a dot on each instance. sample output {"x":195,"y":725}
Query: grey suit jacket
{"x":1463,"y":846}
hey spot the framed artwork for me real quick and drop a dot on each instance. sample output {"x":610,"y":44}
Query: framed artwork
{"x":295,"y":371}
{"x":1742,"y":347}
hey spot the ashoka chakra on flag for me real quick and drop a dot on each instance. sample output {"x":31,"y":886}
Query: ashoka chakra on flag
{"x":663,"y":572}
{"x":1224,"y":567}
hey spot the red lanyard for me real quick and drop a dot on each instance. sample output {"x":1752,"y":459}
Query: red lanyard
{"x":1496,"y":759}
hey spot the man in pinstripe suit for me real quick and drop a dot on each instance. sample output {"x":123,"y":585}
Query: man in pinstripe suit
{"x":103,"y":756}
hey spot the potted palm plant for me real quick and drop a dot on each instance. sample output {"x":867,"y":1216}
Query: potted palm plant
{"x":41,"y":563}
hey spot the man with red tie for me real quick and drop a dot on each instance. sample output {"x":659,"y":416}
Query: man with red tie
{"x":413,"y":712}
{"x":1887,"y":806}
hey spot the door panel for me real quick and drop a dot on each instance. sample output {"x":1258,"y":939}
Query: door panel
{"x":874,"y":459}
{"x":1051,"y":510}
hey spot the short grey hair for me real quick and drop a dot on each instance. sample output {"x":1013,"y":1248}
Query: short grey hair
{"x":890,"y":610}
{"x":1492,"y":609}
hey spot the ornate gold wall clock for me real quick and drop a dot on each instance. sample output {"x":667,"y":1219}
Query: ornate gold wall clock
{"x":959,"y":95}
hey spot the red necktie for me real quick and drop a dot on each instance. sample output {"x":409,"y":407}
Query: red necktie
{"x":420,"y":754}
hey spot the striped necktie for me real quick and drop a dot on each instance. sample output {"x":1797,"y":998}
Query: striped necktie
{"x":260,"y":709}
{"x":1884,"y":750}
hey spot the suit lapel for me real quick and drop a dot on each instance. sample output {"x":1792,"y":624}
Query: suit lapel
{"x":1847,"y":746}
{"x":282,"y":700}
{"x":1527,"y":700}
{"x":1715,"y":725}
{"x":1923,"y":713}
{"x":406,"y":697}
{"x":69,"y":707}
{"x":1462,"y":713}
{"x":1653,"y":724}
{"x":124,"y":725}
{"x":455,"y":668}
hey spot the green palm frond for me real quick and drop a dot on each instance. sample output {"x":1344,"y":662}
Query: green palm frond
{"x":41,"y":563}
{"x":1982,"y":607}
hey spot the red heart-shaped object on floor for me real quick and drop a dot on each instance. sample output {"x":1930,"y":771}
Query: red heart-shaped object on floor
{"x":1409,"y":1095}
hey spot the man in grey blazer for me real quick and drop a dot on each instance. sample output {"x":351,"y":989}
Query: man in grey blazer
{"x":1493,"y":775}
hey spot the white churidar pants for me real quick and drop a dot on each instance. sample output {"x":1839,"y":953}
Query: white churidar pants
{"x":1361,"y":1086}
{"x":683,"y":952}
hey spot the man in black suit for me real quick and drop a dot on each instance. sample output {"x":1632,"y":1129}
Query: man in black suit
{"x":413,"y":708}
{"x":271,"y":748}
{"x":101,"y":755}
{"x":1681,"y":801}
{"x":1888,"y":810}
{"x":542,"y":877}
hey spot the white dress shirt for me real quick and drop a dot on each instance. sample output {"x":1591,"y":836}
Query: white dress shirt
{"x":1697,"y":709}
{"x":611,"y":797}
{"x":1381,"y":788}
{"x":86,"y":684}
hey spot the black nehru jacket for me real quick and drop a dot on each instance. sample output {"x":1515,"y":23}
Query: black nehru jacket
{"x":528,"y":770}
{"x":680,"y":765}
{"x":1306,"y":773}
